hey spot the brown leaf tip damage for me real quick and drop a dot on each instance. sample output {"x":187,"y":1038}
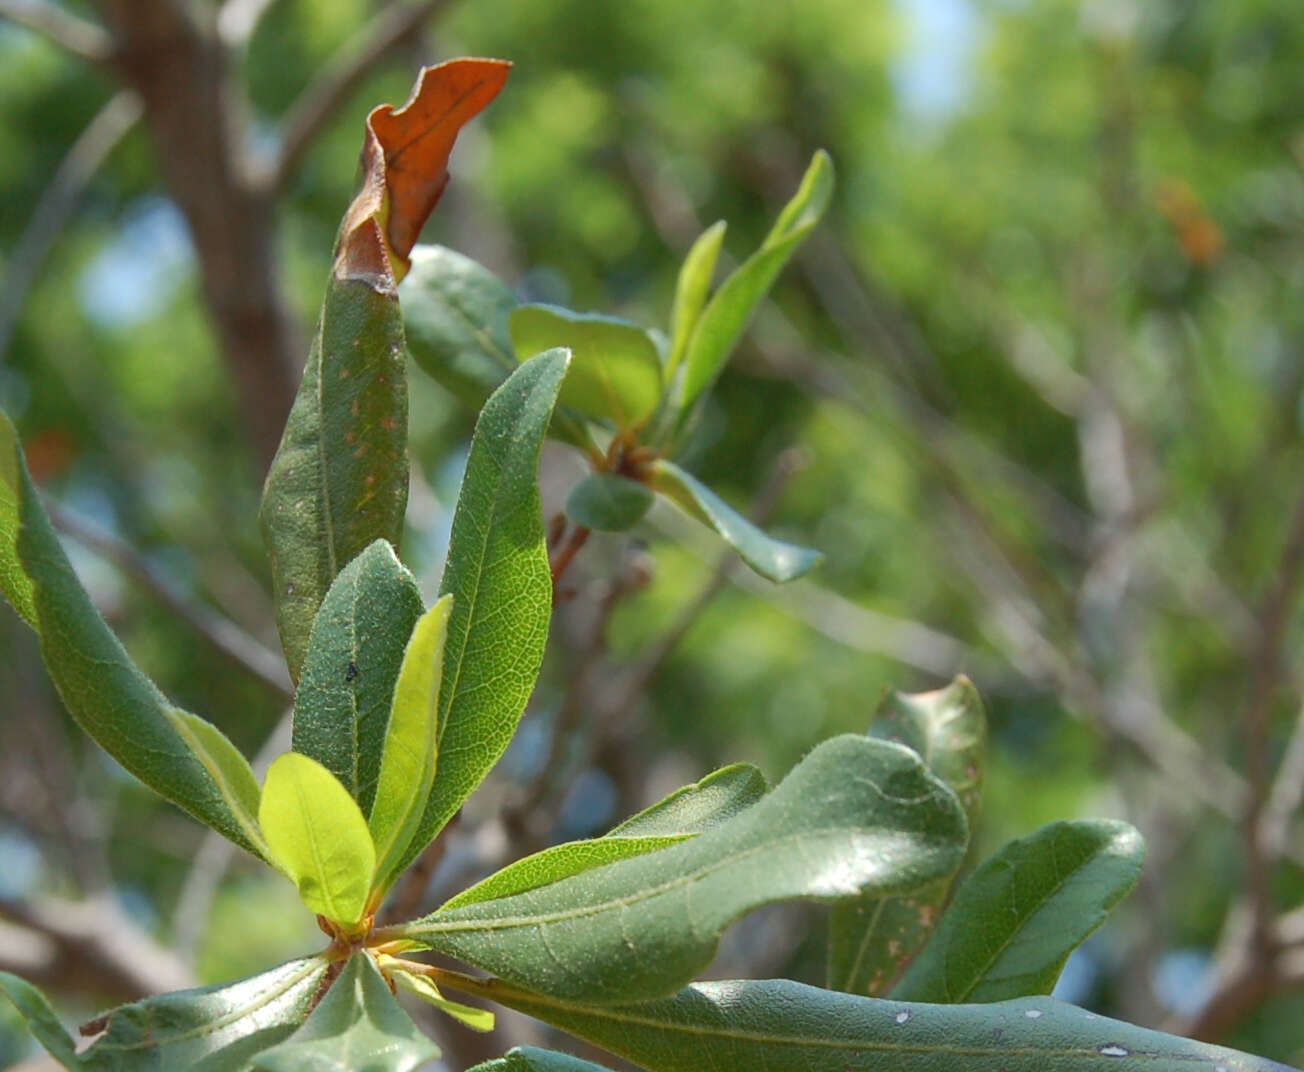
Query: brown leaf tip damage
{"x":405,"y":167}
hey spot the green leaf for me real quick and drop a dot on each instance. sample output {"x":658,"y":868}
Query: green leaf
{"x":357,"y":1027}
{"x":341,"y":709}
{"x":318,"y":837}
{"x":871,"y":939}
{"x":771,"y":558}
{"x":476,"y":1019}
{"x":608,"y":502}
{"x":533,"y":1059}
{"x":1016,"y":919}
{"x":719,"y":796}
{"x":691,"y":289}
{"x":780,"y":1026}
{"x":499,"y":578}
{"x":855,"y":814}
{"x":407,"y":768}
{"x":455,"y":317}
{"x":178,"y":755}
{"x":215,"y":1029}
{"x":41,"y":1020}
{"x":731,"y":307}
{"x":615,"y":372}
{"x":340,"y":476}
{"x":683,"y":814}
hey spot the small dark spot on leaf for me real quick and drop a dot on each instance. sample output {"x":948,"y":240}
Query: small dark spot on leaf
{"x":352,"y":671}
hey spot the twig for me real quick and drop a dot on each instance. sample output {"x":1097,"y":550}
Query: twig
{"x":344,"y":73}
{"x":559,"y":562}
{"x":102,"y":134}
{"x":221,"y":633}
{"x":78,"y":35}
{"x":1285,"y":796}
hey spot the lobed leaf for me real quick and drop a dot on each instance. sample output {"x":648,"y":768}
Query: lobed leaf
{"x":1016,"y":919}
{"x":683,"y":814}
{"x":774,"y":559}
{"x":615,"y":372}
{"x":691,"y":290}
{"x":780,"y":1026}
{"x":340,"y":478}
{"x":342,"y":706}
{"x":871,"y":939}
{"x":177,"y":754}
{"x":214,"y":1029}
{"x":726,"y":315}
{"x":318,"y":837}
{"x":608,"y":502}
{"x":855,"y":814}
{"x":499,"y":578}
{"x":533,"y":1059}
{"x":407,"y":767}
{"x":357,"y":1027}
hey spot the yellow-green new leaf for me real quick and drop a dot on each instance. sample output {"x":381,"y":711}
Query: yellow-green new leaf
{"x":475,"y":1019}
{"x":731,"y":307}
{"x":318,"y":837}
{"x":407,"y":766}
{"x":691,"y":291}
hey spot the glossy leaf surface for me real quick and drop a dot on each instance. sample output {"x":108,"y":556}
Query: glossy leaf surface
{"x":854,"y":814}
{"x":318,"y":837}
{"x":340,"y":476}
{"x":731,"y":307}
{"x":498,"y":575}
{"x":774,"y":559}
{"x":615,"y":372}
{"x":178,"y":755}
{"x":342,"y":706}
{"x":357,"y":1027}
{"x":407,"y":767}
{"x":533,"y":1059}
{"x":1016,"y":919}
{"x":214,"y":1029}
{"x":871,"y":939}
{"x":691,"y":290}
{"x":781,"y":1026}
{"x":684,"y":813}
{"x":455,"y":316}
{"x":608,"y":502}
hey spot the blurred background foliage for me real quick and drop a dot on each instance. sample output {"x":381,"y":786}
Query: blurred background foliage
{"x":1035,"y":386}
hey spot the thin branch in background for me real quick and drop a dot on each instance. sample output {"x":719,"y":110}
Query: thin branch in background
{"x":220,"y":633}
{"x":1285,"y":796}
{"x":102,"y":135}
{"x":320,"y":102}
{"x":238,"y":19}
{"x":72,"y":32}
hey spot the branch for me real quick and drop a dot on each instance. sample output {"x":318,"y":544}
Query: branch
{"x":238,"y":20}
{"x":92,"y":147}
{"x":221,"y":633}
{"x":88,"y":946}
{"x":79,"y":36}
{"x":344,"y":73}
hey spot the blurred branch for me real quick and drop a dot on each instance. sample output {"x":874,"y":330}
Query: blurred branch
{"x":1285,"y":796}
{"x":110,"y":125}
{"x":395,"y":25}
{"x":220,"y":633}
{"x":87,"y":946}
{"x":238,"y":19}
{"x":72,"y":32}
